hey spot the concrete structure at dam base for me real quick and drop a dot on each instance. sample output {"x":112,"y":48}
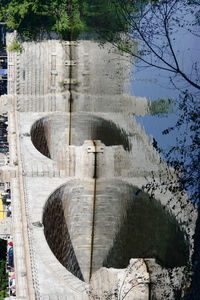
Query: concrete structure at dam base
{"x":84,"y":224}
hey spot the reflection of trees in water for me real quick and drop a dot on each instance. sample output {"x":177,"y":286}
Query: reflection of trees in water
{"x":185,"y":158}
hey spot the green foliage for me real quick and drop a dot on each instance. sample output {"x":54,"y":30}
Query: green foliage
{"x":105,"y":17}
{"x":3,"y":249}
{"x":3,"y":279}
{"x":161,"y":107}
{"x":61,"y":84}
{"x":68,"y":18}
{"x":77,"y":26}
{"x":3,"y":273}
{"x":15,"y":45}
{"x":185,"y":155}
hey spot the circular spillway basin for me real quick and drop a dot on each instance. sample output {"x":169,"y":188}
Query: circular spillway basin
{"x":50,"y":134}
{"x":87,"y":127}
{"x":86,"y":230}
{"x":56,"y":229}
{"x":147,"y":230}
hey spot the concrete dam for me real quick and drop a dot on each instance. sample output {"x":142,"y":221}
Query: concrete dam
{"x":84,"y":224}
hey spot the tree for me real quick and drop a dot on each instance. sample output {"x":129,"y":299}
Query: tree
{"x":152,"y":25}
{"x":68,"y":18}
{"x":185,"y":156}
{"x":3,"y":278}
{"x":3,"y":274}
{"x":3,"y":247}
{"x":160,"y":107}
{"x":151,"y":41}
{"x":32,"y":17}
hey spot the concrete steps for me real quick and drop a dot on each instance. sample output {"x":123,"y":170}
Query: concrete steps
{"x":33,"y":77}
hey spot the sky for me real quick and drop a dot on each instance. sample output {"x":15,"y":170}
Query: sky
{"x":154,"y":84}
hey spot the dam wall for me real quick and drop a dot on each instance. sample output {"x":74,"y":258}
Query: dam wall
{"x":80,"y":164}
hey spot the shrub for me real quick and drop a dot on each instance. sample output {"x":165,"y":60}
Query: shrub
{"x":15,"y":45}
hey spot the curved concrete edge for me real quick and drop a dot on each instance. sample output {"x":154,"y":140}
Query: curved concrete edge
{"x":39,"y":186}
{"x":137,"y":138}
{"x":48,"y":273}
{"x":52,"y":276}
{"x":30,"y":253}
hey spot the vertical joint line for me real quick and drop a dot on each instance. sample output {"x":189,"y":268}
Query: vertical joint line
{"x":94,"y":208}
{"x":149,"y":285}
{"x":70,"y":72}
{"x":70,"y":91}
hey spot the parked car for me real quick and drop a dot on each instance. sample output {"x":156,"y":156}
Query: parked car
{"x":3,"y":124}
{"x":3,"y":118}
{"x":3,"y":131}
{"x":3,"y":139}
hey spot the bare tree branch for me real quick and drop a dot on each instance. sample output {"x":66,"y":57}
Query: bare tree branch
{"x":143,"y":24}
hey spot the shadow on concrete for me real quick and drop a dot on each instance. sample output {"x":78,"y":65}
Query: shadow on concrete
{"x":147,"y":230}
{"x":50,"y":135}
{"x":57,"y":235}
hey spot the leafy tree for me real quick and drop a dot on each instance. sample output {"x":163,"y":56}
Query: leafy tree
{"x":33,"y":17}
{"x":153,"y":25}
{"x":185,"y":155}
{"x":3,"y":249}
{"x":15,"y":45}
{"x":3,"y":274}
{"x":68,"y":18}
{"x":103,"y":18}
{"x":3,"y":278}
{"x":163,"y":106}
